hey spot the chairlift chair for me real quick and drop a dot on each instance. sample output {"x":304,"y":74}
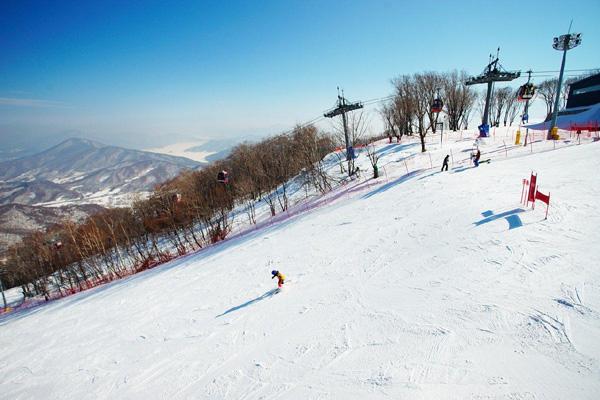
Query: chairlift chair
{"x":437,"y":105}
{"x":526,"y":92}
{"x":223,"y":177}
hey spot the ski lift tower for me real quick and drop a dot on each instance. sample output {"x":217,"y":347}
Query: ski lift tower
{"x":342,"y":108}
{"x":493,"y":72}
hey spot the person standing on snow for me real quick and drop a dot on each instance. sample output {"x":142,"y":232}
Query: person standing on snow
{"x":445,"y":164}
{"x":280,"y":277}
{"x":476,"y":158}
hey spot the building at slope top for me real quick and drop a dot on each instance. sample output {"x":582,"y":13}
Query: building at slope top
{"x":582,"y":112}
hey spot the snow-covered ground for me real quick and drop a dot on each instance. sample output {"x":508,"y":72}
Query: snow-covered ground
{"x":424,"y":285}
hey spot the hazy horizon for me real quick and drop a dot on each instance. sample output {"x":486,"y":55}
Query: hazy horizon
{"x":152,"y":74}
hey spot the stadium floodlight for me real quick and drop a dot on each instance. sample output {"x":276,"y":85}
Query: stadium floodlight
{"x":567,"y":42}
{"x":562,"y":43}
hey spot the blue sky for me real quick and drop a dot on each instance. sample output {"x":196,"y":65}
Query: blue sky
{"x":142,"y":73}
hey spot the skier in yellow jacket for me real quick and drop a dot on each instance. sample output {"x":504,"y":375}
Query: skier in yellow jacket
{"x":280,"y":277}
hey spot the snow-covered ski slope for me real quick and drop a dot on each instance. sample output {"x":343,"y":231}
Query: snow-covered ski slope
{"x":400,"y":290}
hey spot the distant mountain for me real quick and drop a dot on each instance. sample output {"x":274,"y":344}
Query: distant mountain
{"x":37,"y":191}
{"x":82,"y":170}
{"x":17,"y":220}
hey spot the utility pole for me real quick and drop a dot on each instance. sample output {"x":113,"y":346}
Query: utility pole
{"x":2,"y":288}
{"x":525,"y":117}
{"x":342,"y":108}
{"x":491,"y":73}
{"x":562,"y":43}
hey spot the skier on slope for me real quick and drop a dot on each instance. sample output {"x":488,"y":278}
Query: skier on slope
{"x":445,"y":164}
{"x":280,"y":277}
{"x":476,"y":158}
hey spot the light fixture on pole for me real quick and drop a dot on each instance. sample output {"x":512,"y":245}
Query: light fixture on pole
{"x":562,"y":43}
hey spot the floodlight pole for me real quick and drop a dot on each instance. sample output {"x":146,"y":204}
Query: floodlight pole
{"x":564,"y":43}
{"x":526,"y":112}
{"x":557,"y":100}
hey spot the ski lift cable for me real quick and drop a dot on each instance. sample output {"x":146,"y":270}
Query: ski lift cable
{"x":567,"y":70}
{"x":369,"y":102}
{"x":305,"y":124}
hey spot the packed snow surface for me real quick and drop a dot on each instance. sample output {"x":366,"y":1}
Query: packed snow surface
{"x":423,"y":286}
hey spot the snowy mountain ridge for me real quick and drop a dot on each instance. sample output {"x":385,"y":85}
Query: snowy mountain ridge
{"x":77,"y":171}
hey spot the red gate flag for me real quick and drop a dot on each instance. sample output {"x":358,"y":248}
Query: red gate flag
{"x":544,"y":198}
{"x":532,"y":181}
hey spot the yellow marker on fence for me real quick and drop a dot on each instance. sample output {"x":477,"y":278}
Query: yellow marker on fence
{"x":518,"y":137}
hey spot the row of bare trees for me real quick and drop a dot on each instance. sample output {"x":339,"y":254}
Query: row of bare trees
{"x":504,"y":106}
{"x":410,"y":109}
{"x":185,"y":214}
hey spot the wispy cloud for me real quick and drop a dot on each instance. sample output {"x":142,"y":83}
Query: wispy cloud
{"x":38,"y":103}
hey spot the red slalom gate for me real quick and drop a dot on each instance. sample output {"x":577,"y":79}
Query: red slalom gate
{"x":532,"y":187}
{"x":531,"y":194}
{"x":524,"y":190}
{"x":544,"y":198}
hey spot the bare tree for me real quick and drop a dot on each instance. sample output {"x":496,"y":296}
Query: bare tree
{"x":547,"y":92}
{"x":388,"y":114}
{"x":403,"y":105}
{"x":513,"y":107}
{"x":458,"y":98}
{"x":373,"y":155}
{"x":500,"y":99}
{"x":358,"y":123}
{"x":423,"y":91}
{"x":429,"y":84}
{"x":311,"y":146}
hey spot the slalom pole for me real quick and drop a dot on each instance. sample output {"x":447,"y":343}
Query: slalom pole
{"x":3,"y":296}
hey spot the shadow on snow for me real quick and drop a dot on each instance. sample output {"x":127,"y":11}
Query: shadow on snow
{"x":514,"y":221}
{"x":264,"y":296}
{"x":393,"y":183}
